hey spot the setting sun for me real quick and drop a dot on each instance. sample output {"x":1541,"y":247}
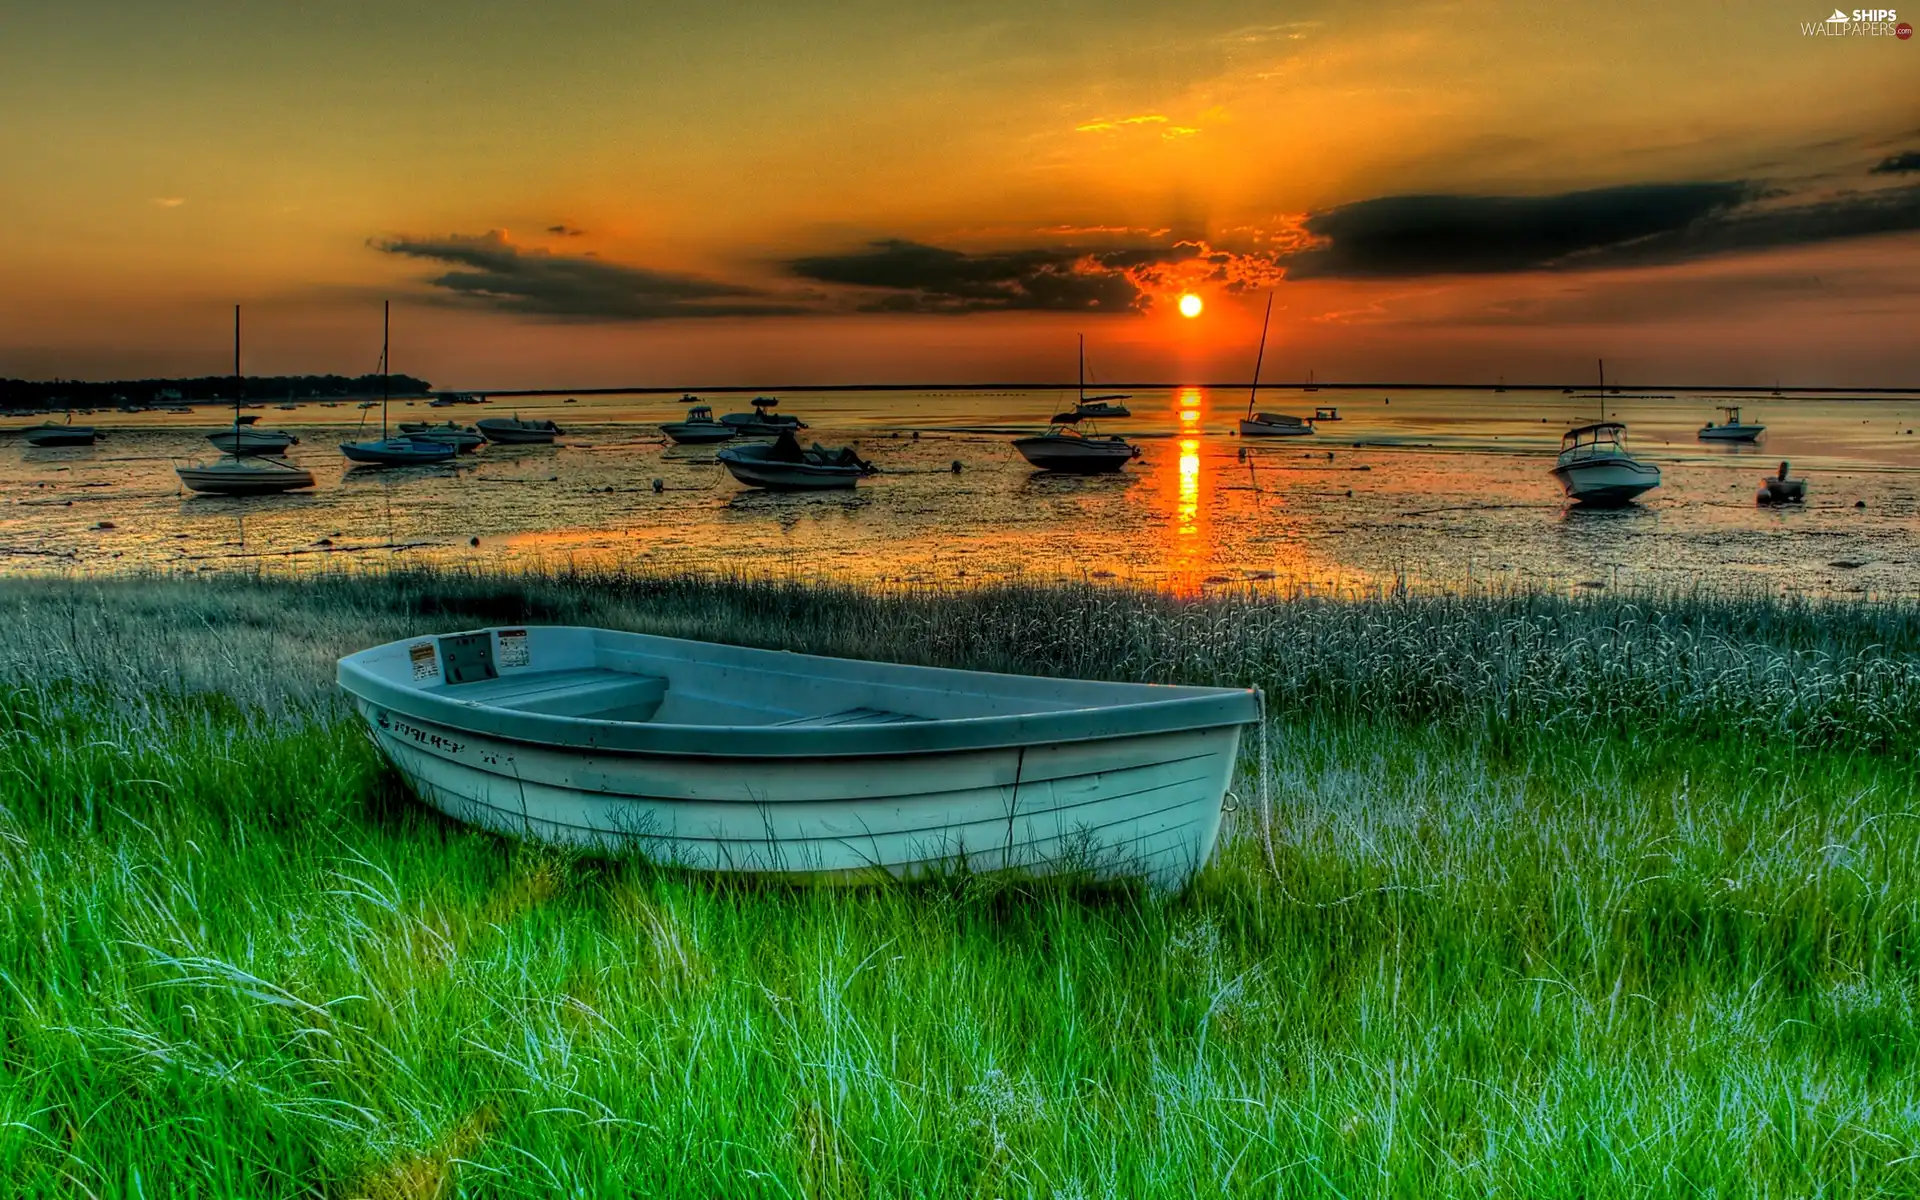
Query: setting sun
{"x":1190,"y":305}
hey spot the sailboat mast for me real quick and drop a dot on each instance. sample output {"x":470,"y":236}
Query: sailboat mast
{"x":386,"y":319}
{"x":1083,"y":370}
{"x":1603,"y":388}
{"x":1259,"y":357}
{"x":237,"y":385}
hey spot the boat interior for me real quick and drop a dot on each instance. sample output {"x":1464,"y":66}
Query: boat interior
{"x":608,"y":676}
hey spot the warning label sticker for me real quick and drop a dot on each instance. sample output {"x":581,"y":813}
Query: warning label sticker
{"x":425,"y":664}
{"x":513,"y":648}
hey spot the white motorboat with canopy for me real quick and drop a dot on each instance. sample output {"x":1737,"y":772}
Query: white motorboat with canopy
{"x":725,"y":758}
{"x":1595,"y":467}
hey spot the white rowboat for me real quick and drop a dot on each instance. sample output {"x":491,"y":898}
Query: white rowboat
{"x":724,"y":758}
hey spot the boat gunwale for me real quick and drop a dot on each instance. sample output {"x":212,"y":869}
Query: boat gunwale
{"x":1195,"y":709}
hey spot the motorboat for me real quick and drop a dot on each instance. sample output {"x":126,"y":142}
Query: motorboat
{"x":782,"y":466}
{"x":699,"y":429}
{"x":243,"y":439}
{"x":512,"y":431}
{"x":1325,"y":413}
{"x":719,"y":758}
{"x":1596,"y":470}
{"x":762,"y":422}
{"x":1069,"y":449}
{"x":250,"y":475}
{"x":465,"y":439}
{"x":1731,"y":428}
{"x":52,"y":434}
{"x":257,"y":471}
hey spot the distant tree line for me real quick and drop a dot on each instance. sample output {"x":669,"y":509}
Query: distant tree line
{"x":77,"y":393}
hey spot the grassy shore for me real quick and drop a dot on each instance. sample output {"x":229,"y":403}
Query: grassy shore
{"x":1585,"y":897}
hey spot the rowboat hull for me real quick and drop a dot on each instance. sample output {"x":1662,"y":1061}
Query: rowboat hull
{"x":1146,"y":807}
{"x":730,"y":759}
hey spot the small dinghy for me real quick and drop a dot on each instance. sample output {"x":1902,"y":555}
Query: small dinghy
{"x":699,"y":429}
{"x":512,"y":431}
{"x":782,"y":466}
{"x":1779,"y":489}
{"x":722,"y":758}
{"x":1269,"y":424}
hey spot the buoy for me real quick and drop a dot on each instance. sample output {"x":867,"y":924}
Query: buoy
{"x":956,"y":466}
{"x":916,"y":435}
{"x":1243,"y":454}
{"x":1859,"y":503}
{"x":104,"y":525}
{"x":473,"y":541}
{"x":659,"y":485}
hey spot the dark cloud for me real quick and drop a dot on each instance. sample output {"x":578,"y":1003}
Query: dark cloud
{"x":1644,"y":224}
{"x":931,"y":279}
{"x":1898,"y":163}
{"x":565,"y":231}
{"x":493,"y":272}
{"x":1464,"y":235}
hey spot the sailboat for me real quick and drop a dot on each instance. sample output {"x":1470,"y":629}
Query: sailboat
{"x":1311,"y":385}
{"x":1271,"y":424}
{"x":392,"y":451}
{"x":1068,"y":448}
{"x":248,"y":473}
{"x":1595,"y":467}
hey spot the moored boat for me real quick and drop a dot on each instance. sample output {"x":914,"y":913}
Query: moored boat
{"x":723,"y":758}
{"x":512,"y":431}
{"x":50,"y":435}
{"x":242,"y":440}
{"x":782,"y":466}
{"x":397,"y":452}
{"x":252,"y":475}
{"x":1067,"y":448}
{"x":699,"y":429}
{"x":1596,"y":469}
{"x":1731,"y":429}
{"x":762,"y":422}
{"x":259,"y":472}
{"x":1779,"y":489}
{"x":1274,"y":425}
{"x":463,"y":438}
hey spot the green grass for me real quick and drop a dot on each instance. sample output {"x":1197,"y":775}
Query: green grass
{"x":1597,"y":897}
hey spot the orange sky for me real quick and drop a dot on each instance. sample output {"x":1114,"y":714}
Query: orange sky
{"x":586,"y":194}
